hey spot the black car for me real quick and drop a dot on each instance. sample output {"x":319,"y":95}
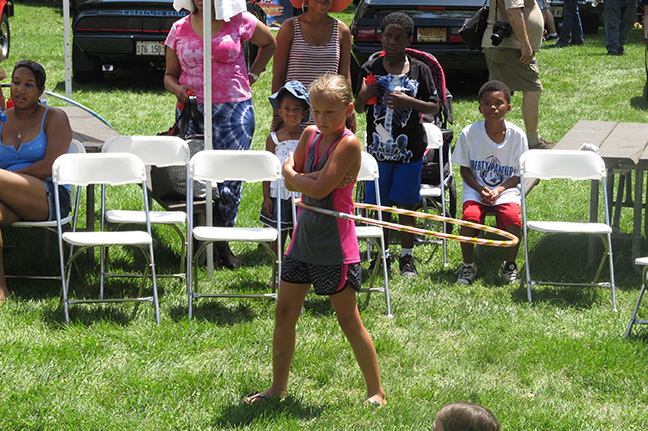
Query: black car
{"x":125,"y":34}
{"x":119,"y":34}
{"x":437,"y":24}
{"x":590,"y":11}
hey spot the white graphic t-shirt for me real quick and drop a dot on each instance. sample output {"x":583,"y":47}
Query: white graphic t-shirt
{"x":491,"y":163}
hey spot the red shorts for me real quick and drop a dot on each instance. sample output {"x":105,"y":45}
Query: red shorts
{"x":505,"y":214}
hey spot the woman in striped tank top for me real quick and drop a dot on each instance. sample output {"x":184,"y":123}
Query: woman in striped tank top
{"x":311,"y":45}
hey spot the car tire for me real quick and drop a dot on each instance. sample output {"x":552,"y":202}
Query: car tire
{"x":85,"y":69}
{"x":590,"y":24}
{"x":5,"y":36}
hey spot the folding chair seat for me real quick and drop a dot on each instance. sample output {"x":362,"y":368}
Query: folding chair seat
{"x":369,"y":172}
{"x":577,"y":166}
{"x":643,"y":261}
{"x":217,"y":166}
{"x":159,"y":151}
{"x":78,"y":148}
{"x":437,"y":183}
{"x":116,"y":170}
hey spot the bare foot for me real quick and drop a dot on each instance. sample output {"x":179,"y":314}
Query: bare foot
{"x":4,"y":294}
{"x":378,"y":400}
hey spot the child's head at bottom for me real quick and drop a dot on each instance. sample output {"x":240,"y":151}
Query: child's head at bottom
{"x":463,"y":416}
{"x":332,"y":92}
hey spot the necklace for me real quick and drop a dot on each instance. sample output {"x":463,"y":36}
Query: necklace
{"x":13,"y":123}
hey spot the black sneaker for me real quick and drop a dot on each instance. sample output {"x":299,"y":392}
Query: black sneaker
{"x":552,"y":37}
{"x":406,"y":265}
{"x":378,"y":260}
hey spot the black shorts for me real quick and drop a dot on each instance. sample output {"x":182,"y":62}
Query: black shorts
{"x":326,"y":279}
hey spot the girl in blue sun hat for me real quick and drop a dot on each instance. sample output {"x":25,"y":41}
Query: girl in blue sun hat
{"x":292,"y":104}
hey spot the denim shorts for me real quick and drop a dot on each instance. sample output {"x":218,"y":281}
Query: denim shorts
{"x":64,"y":199}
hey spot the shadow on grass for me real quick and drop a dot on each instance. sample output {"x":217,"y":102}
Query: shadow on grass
{"x":89,"y":314}
{"x":265,"y":412}
{"x":214,"y":310}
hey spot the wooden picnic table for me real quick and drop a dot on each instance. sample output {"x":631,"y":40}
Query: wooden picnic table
{"x":624,"y":148}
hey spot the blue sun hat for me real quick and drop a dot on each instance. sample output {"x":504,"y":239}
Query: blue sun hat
{"x":298,"y":90}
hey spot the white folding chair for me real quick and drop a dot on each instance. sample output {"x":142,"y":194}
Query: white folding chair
{"x":50,"y":225}
{"x":643,"y":261}
{"x":578,"y":166}
{"x":217,"y":166}
{"x":369,"y":172}
{"x":160,"y":151}
{"x":116,"y":169}
{"x":432,"y":193}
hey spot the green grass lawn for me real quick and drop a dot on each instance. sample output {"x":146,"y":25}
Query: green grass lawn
{"x":560,"y":364}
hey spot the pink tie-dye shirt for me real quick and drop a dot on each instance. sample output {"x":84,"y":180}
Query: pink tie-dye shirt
{"x":229,"y":72}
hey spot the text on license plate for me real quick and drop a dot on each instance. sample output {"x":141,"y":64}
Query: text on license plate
{"x":556,"y":12}
{"x":431,"y":34}
{"x":149,"y":48}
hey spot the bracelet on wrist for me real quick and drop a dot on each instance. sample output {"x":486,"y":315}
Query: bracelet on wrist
{"x":253,"y":75}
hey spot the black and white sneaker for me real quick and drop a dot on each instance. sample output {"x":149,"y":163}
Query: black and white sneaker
{"x":509,"y":273}
{"x":407,"y":268}
{"x":467,"y":273}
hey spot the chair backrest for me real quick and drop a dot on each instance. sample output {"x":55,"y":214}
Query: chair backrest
{"x":84,"y":169}
{"x":368,"y":168}
{"x":76,"y":147}
{"x":571,"y":164}
{"x":153,"y":150}
{"x":235,"y":165}
{"x":434,"y":136}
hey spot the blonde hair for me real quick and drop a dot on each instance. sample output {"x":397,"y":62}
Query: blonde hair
{"x":463,"y":416}
{"x":339,"y":87}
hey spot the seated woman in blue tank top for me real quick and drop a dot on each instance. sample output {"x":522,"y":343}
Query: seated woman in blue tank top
{"x":31,"y":138}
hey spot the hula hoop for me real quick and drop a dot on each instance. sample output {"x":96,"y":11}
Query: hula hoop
{"x":510,"y":242}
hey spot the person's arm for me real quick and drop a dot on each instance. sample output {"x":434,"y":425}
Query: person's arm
{"x":345,"y":159}
{"x":397,"y":99}
{"x":516,"y":18}
{"x":280,"y":60}
{"x":471,"y":181}
{"x":365,"y":93}
{"x":59,"y":134}
{"x":172,"y":74}
{"x":344,"y":67}
{"x":267,"y":44}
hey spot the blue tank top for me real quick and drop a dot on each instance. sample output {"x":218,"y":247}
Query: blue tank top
{"x":28,"y":152}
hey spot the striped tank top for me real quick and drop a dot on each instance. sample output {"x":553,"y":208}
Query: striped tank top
{"x":307,"y":62}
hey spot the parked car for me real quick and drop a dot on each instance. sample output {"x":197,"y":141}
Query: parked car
{"x":6,"y":11}
{"x":109,"y":34}
{"x":591,"y":13}
{"x":437,"y":24}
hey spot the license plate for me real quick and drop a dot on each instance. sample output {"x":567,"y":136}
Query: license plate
{"x":431,"y":34}
{"x":556,"y":12}
{"x":149,"y":48}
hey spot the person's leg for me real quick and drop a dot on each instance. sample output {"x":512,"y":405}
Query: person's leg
{"x":612,"y":10}
{"x":645,"y":9}
{"x":468,"y":249}
{"x":531,"y":112}
{"x":549,"y":21}
{"x":289,"y":305}
{"x":22,"y":197}
{"x":348,"y":316}
{"x":628,"y":18}
{"x":577,"y":28}
{"x":511,"y":252}
{"x":569,"y":13}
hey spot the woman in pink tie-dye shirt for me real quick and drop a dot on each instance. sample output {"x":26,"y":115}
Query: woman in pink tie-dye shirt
{"x":232,"y":109}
